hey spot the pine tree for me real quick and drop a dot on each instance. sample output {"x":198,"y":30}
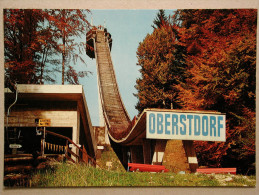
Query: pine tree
{"x":160,"y":20}
{"x":160,"y":58}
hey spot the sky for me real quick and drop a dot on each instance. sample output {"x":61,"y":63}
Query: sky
{"x":128,"y":28}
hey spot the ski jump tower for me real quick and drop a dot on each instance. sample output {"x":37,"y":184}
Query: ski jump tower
{"x":114,"y":115}
{"x":145,"y":140}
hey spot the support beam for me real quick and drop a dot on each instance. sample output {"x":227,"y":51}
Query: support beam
{"x":106,"y":137}
{"x":75,"y":139}
{"x":136,"y":154}
{"x":159,"y":151}
{"x":147,"y":151}
{"x":191,"y":155}
{"x":124,"y":155}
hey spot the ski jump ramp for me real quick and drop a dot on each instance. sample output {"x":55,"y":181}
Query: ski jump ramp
{"x":128,"y":138}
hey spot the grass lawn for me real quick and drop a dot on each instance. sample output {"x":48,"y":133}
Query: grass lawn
{"x":73,"y":175}
{"x":67,"y":174}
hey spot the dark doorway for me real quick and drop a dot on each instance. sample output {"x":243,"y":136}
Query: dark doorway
{"x":30,"y":141}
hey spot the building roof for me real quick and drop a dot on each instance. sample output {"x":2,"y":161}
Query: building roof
{"x":49,"y":92}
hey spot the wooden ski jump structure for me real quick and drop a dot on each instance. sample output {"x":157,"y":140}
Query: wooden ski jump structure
{"x":128,"y":138}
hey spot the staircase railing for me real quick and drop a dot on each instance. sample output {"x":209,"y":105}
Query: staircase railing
{"x":85,"y":157}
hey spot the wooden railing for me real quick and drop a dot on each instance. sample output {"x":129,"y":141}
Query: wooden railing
{"x":85,"y":157}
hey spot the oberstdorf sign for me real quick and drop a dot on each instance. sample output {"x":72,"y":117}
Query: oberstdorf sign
{"x":186,"y":126}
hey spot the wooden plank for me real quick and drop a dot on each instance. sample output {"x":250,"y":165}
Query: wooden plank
{"x":147,"y":168}
{"x":134,"y":165}
{"x":10,"y":169}
{"x":17,"y":177}
{"x":21,"y":168}
{"x":217,"y":170}
{"x":72,"y":153}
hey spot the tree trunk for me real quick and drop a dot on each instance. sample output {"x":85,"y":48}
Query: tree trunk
{"x":63,"y":62}
{"x":63,"y":49}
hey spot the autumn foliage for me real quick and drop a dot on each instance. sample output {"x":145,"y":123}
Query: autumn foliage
{"x":22,"y":42}
{"x":39,"y":44}
{"x":159,"y":55}
{"x":219,"y":60}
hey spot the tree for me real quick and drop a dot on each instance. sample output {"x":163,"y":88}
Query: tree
{"x":213,"y":53}
{"x":69,"y":24}
{"x":160,"y":58}
{"x":33,"y":40}
{"x":221,"y":62}
{"x":22,"y":44}
{"x":160,"y":20}
{"x":49,"y":61}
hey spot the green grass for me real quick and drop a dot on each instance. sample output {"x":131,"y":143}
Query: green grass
{"x":73,"y":175}
{"x":108,"y":155}
{"x":76,"y":175}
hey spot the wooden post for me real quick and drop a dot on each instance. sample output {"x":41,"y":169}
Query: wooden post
{"x":41,"y":146}
{"x":191,"y":155}
{"x":43,"y":141}
{"x":147,"y":151}
{"x":125,"y":155}
{"x":85,"y":157}
{"x":158,"y":155}
{"x":136,"y":154}
{"x":66,"y":147}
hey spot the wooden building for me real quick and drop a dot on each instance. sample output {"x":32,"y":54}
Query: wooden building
{"x":64,"y":105}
